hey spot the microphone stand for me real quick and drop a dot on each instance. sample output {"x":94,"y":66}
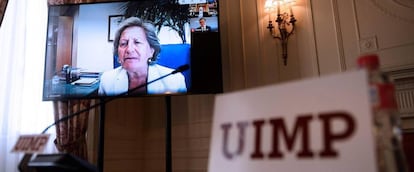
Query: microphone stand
{"x":168,"y":144}
{"x":23,"y":165}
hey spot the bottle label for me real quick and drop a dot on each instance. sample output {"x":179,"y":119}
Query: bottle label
{"x":383,"y":96}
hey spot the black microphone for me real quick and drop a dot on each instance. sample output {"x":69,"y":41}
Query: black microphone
{"x":23,"y":165}
{"x":181,"y":68}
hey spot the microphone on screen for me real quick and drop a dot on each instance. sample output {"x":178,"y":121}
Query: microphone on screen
{"x":181,"y":68}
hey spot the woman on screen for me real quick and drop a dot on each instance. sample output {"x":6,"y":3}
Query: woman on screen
{"x":137,"y":47}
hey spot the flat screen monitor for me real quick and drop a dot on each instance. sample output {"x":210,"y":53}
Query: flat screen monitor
{"x":132,"y":48}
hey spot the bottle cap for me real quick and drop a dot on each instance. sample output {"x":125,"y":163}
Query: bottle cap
{"x":370,"y":61}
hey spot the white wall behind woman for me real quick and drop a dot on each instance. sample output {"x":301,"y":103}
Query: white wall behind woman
{"x":92,"y":49}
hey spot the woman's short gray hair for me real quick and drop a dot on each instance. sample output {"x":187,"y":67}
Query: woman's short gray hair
{"x":149,"y":30}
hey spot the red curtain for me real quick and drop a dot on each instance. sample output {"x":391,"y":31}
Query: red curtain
{"x":71,"y":134}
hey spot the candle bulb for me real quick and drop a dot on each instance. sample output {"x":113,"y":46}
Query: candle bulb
{"x":268,"y":15}
{"x":291,"y":3}
{"x":268,"y":8}
{"x":278,"y":8}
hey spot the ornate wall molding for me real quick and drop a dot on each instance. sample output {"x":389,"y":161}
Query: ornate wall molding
{"x":339,"y":38}
{"x":406,"y":3}
{"x":402,"y":10}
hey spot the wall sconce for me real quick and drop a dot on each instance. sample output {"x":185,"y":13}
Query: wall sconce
{"x":285,"y":22}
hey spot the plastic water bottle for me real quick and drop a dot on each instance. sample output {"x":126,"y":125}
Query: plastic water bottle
{"x":386,"y":121}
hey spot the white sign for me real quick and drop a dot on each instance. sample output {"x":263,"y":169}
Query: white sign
{"x":31,"y":143}
{"x":314,"y":125}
